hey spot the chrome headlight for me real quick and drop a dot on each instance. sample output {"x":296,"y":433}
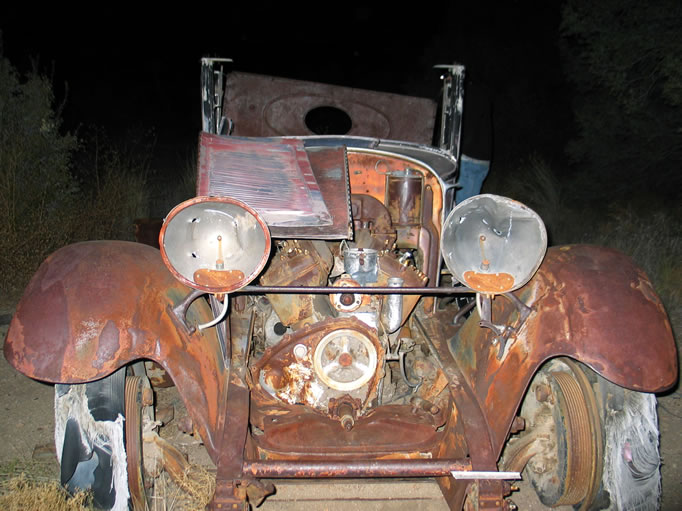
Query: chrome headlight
{"x":215,"y":244}
{"x":493,"y":244}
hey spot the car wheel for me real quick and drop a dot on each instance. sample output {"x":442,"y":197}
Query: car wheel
{"x":94,"y":425}
{"x":587,"y":442}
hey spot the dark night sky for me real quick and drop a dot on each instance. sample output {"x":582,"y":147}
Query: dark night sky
{"x":126,"y":68}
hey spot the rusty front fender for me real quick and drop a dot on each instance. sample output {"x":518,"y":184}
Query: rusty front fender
{"x":93,"y":307}
{"x":589,"y":303}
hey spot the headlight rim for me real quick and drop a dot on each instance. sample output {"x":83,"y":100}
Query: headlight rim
{"x":224,"y":200}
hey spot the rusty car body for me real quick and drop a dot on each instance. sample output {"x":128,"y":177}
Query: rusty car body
{"x":355,"y":352}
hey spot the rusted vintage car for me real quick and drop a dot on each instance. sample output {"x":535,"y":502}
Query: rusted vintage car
{"x":301,"y":307}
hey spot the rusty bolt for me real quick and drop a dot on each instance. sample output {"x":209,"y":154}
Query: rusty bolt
{"x":347,"y":422}
{"x":345,"y":412}
{"x":542,"y":392}
{"x":147,"y":396}
{"x":345,"y":359}
{"x":347,"y":299}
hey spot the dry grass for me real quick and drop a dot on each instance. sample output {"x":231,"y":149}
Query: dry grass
{"x":30,"y":490}
{"x":192,"y":493}
{"x":198,"y":484}
{"x":21,"y":493}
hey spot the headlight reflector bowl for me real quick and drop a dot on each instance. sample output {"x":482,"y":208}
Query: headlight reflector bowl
{"x":215,"y":244}
{"x":493,"y":244}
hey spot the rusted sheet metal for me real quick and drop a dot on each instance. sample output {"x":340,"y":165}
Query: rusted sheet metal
{"x":93,"y":307}
{"x":588,"y":303}
{"x":330,"y":167}
{"x":234,"y":436}
{"x":275,"y":178}
{"x":355,"y":468}
{"x":300,"y":192}
{"x":368,"y":173}
{"x":300,"y":431}
{"x":372,"y":222}
{"x":470,"y":417}
{"x":265,"y":106}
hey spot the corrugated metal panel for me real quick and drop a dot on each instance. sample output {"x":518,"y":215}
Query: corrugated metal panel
{"x":330,"y":167}
{"x":300,"y":193}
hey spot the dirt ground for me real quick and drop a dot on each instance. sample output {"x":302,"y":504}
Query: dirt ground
{"x":26,"y":444}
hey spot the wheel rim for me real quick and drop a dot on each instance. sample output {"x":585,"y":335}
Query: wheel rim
{"x":136,"y":387}
{"x":562,"y":450}
{"x":578,"y":407}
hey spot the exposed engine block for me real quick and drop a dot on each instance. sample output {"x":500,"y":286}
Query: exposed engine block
{"x":328,"y":352}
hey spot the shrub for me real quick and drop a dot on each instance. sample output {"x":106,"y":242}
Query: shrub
{"x":55,"y":189}
{"x":114,"y":185}
{"x":36,"y":186}
{"x":624,"y":58}
{"x":534,"y":183}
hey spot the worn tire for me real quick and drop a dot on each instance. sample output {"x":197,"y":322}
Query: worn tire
{"x":89,"y":439}
{"x":625,"y":427}
{"x":631,"y":476}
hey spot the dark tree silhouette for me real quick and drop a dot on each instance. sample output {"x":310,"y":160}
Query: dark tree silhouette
{"x":625,"y":59}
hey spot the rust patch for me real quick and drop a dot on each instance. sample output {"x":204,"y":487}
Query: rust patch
{"x":104,"y":304}
{"x":302,"y":431}
{"x":294,"y":380}
{"x":35,"y":339}
{"x":345,"y":359}
{"x":489,"y":282}
{"x":218,"y":278}
{"x":581,"y":305}
{"x":109,"y":344}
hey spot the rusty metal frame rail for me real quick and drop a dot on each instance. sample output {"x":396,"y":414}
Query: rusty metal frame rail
{"x":323,"y":290}
{"x":272,"y":469}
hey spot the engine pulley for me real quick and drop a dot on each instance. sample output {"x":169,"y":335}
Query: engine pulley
{"x":345,"y":359}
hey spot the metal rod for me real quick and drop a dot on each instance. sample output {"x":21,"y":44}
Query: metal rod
{"x":355,"y":468}
{"x":470,"y":474}
{"x":323,"y":290}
